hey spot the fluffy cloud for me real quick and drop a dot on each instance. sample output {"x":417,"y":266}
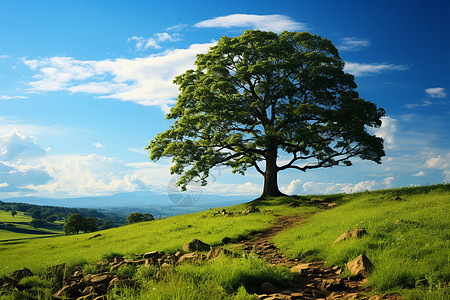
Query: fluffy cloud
{"x":15,"y":145}
{"x":98,"y":145}
{"x":436,"y":92}
{"x":362,"y":70}
{"x":352,"y":44}
{"x":146,"y":81}
{"x":276,"y":23}
{"x":146,"y":43}
{"x":389,"y":127}
{"x":296,"y":187}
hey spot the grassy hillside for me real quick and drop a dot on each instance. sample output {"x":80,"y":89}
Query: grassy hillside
{"x":408,"y":242}
{"x":408,"y":237}
{"x":17,"y":227}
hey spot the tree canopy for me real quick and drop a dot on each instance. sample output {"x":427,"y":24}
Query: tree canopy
{"x":76,"y":223}
{"x":262,"y":95}
{"x":138,"y":217}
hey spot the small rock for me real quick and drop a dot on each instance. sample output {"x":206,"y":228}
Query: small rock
{"x":214,"y":253}
{"x":399,"y":221}
{"x":22,"y":273}
{"x":360,"y":266}
{"x":191,"y":257}
{"x":95,"y":236}
{"x":332,"y":285}
{"x":196,"y":245}
{"x":301,"y":268}
{"x":331,"y":205}
{"x":397,"y":198}
{"x":250,"y":210}
{"x":151,"y":255}
{"x":292,"y":204}
{"x":351,"y":234}
{"x":268,"y":288}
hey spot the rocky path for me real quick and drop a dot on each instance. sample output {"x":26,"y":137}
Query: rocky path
{"x":315,"y":281}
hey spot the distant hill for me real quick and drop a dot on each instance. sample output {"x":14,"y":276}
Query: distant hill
{"x":144,"y":201}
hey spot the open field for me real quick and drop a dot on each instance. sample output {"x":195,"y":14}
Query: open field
{"x":18,"y":227}
{"x":408,"y":242}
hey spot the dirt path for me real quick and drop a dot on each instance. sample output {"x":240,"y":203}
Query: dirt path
{"x":314,"y":280}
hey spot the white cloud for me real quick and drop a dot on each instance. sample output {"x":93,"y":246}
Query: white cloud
{"x":177,"y":27}
{"x":332,"y":188}
{"x":389,"y":127}
{"x":424,"y":103}
{"x":12,"y":97}
{"x":440,"y":162}
{"x":419,"y":174}
{"x":352,"y":44}
{"x":15,"y":145}
{"x":438,"y":92}
{"x":276,"y":23}
{"x":146,"y":43}
{"x":362,"y":70}
{"x":146,"y":81}
{"x":98,"y":145}
{"x":294,"y":187}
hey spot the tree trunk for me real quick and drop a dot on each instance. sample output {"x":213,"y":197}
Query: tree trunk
{"x":271,"y":177}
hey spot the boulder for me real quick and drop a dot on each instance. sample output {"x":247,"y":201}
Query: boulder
{"x":250,"y":210}
{"x":196,"y":245}
{"x":22,"y":273}
{"x":360,"y":266}
{"x":351,"y":234}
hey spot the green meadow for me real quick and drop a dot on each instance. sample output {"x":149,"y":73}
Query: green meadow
{"x":17,"y":227}
{"x":408,"y":241}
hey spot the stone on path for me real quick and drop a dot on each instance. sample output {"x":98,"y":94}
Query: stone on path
{"x":360,"y":266}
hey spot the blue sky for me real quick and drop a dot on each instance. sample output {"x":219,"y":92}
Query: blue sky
{"x":85,"y":85}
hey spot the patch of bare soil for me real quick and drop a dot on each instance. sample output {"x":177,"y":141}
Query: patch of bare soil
{"x":314,"y":280}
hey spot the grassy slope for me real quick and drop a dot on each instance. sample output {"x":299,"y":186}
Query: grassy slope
{"x":22,"y":229}
{"x":167,"y":235}
{"x":411,"y":254}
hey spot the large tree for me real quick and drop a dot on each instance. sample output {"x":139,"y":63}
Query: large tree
{"x":255,"y":97}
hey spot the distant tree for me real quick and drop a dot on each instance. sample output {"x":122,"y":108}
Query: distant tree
{"x":38,"y":223}
{"x":262,"y":95}
{"x":13,"y":213}
{"x":90,"y":224}
{"x":51,"y":218}
{"x":74,"y":224}
{"x":138,"y":217}
{"x":106,"y":225}
{"x":36,"y":214}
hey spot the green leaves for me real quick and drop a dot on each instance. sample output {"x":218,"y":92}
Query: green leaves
{"x":259,"y":93}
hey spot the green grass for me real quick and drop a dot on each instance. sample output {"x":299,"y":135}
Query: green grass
{"x":168,"y":235}
{"x":412,"y":253}
{"x":411,"y":257}
{"x":224,"y":278}
{"x":20,"y":228}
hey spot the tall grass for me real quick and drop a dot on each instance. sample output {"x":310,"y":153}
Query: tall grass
{"x":224,"y":278}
